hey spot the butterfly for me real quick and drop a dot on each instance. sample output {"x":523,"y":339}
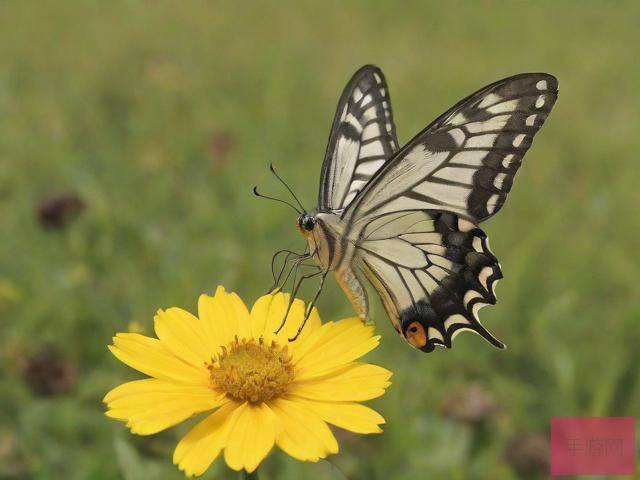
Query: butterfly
{"x":406,"y":220}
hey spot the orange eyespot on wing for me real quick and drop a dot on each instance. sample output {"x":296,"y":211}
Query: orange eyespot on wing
{"x":416,"y":335}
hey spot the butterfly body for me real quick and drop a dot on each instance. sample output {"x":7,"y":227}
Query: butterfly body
{"x":407,"y":220}
{"x":333,"y":250}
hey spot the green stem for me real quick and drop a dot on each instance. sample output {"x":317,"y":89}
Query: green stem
{"x":250,"y":476}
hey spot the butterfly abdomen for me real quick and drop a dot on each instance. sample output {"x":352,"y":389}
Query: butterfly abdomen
{"x":353,"y":288}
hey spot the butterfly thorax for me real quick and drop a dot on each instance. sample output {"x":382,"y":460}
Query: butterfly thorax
{"x":333,"y":249}
{"x":323,"y":232}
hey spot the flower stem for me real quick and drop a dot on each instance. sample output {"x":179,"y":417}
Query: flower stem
{"x":250,"y":476}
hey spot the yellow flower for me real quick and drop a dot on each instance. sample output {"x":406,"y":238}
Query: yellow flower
{"x":263,"y":389}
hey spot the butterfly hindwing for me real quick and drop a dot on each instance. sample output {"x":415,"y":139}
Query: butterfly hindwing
{"x":465,"y":161}
{"x":433,"y":271}
{"x":363,"y":137}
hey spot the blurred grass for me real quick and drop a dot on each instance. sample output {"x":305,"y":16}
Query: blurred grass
{"x":120,"y":103}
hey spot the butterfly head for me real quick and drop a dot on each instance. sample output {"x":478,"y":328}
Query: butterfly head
{"x":306,"y":223}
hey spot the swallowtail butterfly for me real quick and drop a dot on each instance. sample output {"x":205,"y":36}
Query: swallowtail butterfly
{"x":406,"y":220}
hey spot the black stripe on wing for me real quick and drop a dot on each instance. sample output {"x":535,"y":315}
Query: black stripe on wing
{"x":363,"y":137}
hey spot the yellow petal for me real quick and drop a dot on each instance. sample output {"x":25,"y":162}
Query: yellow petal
{"x":251,"y":437}
{"x":304,"y":434}
{"x":211,"y":318}
{"x":354,"y":383}
{"x":242,"y":314}
{"x":223,"y":317}
{"x":350,"y":416}
{"x":269,"y":311}
{"x":150,"y":406}
{"x":298,"y":311}
{"x":149,"y":356}
{"x":259,"y":315}
{"x":181,"y":332}
{"x":333,"y":345}
{"x":325,"y":334}
{"x":313,"y":323}
{"x":200,"y":447}
{"x":267,"y":314}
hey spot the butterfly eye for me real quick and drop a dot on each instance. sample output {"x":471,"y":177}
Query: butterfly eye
{"x":309,"y":223}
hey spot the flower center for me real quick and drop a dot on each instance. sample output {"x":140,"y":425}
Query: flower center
{"x":250,"y":370}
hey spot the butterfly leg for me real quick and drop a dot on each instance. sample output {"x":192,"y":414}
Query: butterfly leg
{"x":294,"y":292}
{"x":296,"y":263}
{"x":311,"y":305}
{"x":290,"y":256}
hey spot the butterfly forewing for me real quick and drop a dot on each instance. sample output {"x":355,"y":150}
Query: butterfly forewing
{"x":363,"y":137}
{"x":465,"y":161}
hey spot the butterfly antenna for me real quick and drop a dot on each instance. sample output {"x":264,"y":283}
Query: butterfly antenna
{"x":258,"y":194}
{"x":273,"y":170}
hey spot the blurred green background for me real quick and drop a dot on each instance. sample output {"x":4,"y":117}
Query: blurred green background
{"x":151,"y":121}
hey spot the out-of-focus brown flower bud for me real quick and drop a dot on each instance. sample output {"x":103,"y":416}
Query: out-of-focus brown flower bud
{"x":47,"y":373}
{"x":56,"y":211}
{"x":469,"y":404}
{"x":222,"y":145}
{"x":528,"y":455}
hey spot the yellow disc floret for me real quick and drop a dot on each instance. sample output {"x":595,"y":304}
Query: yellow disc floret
{"x":250,"y":370}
